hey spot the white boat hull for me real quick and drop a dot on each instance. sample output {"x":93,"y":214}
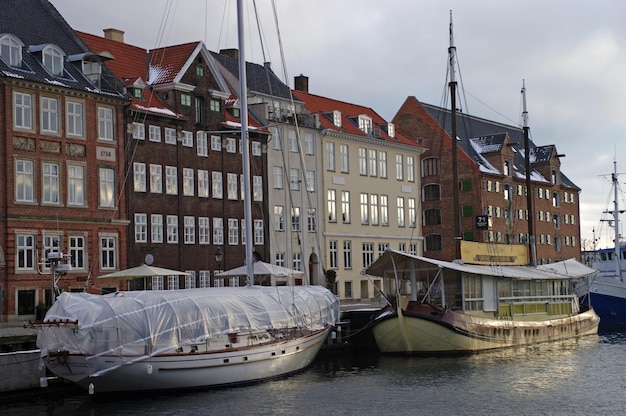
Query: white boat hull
{"x":189,"y":370}
{"x":438,"y":332}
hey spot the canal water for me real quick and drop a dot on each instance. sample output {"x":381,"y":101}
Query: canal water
{"x":579,"y":377}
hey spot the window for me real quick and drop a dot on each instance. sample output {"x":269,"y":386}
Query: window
{"x":332,"y":205}
{"x":344,"y":159}
{"x":555,"y":199}
{"x":364,"y":209}
{"x":76,"y":185}
{"x":75,"y":118}
{"x":188,"y":185}
{"x":171,"y":180}
{"x":432,"y":192}
{"x":337,"y":118}
{"x":311,"y":220}
{"x":216,"y":143}
{"x":280,"y":259}
{"x":199,"y":109}
{"x":347,"y":254}
{"x":204,"y":235}
{"x":330,"y":156}
{"x":333,"y":261}
{"x":310,"y":181}
{"x":154,"y":133}
{"x":215,"y":105}
{"x":362,"y":161}
{"x":189,"y":231}
{"x":139,"y":131}
{"x":293,"y":141}
{"x":52,"y":58}
{"x":233,"y":231}
{"x":170,"y":135}
{"x":203,"y":183}
{"x":368,"y":254}
{"x":139,"y":170}
{"x":347,"y":289}
{"x":172,"y":229}
{"x":231,"y":145}
{"x":345,"y":206}
{"x":49,"y":115}
{"x":26,"y":302}
{"x":25,"y":252}
{"x":202,"y":143}
{"x":107,"y":188}
{"x":508,"y":195}
{"x":399,"y":167}
{"x":51,"y":182}
{"x":51,"y":243}
{"x":218,"y":231}
{"x":257,"y":188}
{"x":185,"y":99}
{"x":11,"y":50}
{"x":430,"y":166}
{"x":412,"y":212}
{"x":382,"y":164}
{"x":295,"y":218}
{"x":156,"y":179}
{"x":433,"y":242}
{"x":276,"y":138}
{"x":278,"y":177}
{"x":105,"y":123}
{"x":256,"y":149}
{"x":507,"y":168}
{"x":187,"y":139}
{"x":279,"y":218}
{"x":432,"y":216}
{"x":199,"y":70}
{"x":231,"y":186}
{"x":384,"y":210}
{"x":259,"y":238}
{"x":205,"y":278}
{"x":400,"y":203}
{"x":156,"y":230}
{"x":309,"y":145}
{"x":217,"y":188}
{"x":22,"y":111}
{"x":108,"y":252}
{"x":157,"y":283}
{"x":78,"y":253}
{"x":141,"y":228}
{"x":190,"y":281}
{"x":365,"y":124}
{"x":372,"y":162}
{"x":410,"y":168}
{"x":374,"y":209}
{"x":297,"y":261}
{"x":173,"y":282}
{"x":294,"y":179}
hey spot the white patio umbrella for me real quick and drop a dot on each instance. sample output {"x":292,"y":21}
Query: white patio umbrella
{"x":262,"y":268}
{"x":142,"y":271}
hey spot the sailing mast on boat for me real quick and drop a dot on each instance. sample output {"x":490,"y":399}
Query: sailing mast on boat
{"x":455,"y":170}
{"x":529,"y":195}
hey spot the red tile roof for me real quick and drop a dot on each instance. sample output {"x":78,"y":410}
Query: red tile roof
{"x":349,"y":117}
{"x":167,"y":62}
{"x":129,"y":64}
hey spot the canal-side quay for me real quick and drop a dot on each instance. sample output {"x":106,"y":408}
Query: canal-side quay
{"x":20,"y":363}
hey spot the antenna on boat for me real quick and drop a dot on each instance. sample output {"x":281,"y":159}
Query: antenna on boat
{"x":243,"y":99}
{"x":455,"y":173}
{"x":529,"y":196}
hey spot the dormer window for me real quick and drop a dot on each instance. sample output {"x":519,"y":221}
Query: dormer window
{"x":52,"y":58}
{"x":11,"y":50}
{"x":337,"y":118}
{"x":555,"y":177}
{"x":365,"y":123}
{"x":391,"y":130}
{"x":507,"y":168}
{"x":93,"y":71}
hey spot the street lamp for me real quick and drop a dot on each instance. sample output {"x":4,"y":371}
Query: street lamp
{"x":218,"y":257}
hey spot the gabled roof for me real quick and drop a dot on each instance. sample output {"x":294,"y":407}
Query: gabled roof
{"x":37,"y":23}
{"x":349,"y":114}
{"x":130,"y":63}
{"x":473,"y":130}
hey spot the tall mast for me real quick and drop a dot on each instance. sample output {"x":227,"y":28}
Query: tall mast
{"x":455,"y":173}
{"x":243,"y":112}
{"x":529,"y":194}
{"x":618,"y":245}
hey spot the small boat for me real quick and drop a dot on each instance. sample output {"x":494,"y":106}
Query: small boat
{"x":162,"y":340}
{"x":606,"y":291}
{"x":467,"y":308}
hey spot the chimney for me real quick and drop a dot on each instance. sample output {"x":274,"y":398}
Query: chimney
{"x":114,"y":34}
{"x":301,"y":83}
{"x":231,"y":53}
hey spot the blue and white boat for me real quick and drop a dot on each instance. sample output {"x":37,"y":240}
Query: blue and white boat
{"x":606,"y":291}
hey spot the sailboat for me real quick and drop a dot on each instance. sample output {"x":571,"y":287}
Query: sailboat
{"x":178,"y":339}
{"x":606,"y":291}
{"x":458,"y":307}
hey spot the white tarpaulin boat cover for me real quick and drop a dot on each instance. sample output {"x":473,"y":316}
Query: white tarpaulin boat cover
{"x":155,"y":321}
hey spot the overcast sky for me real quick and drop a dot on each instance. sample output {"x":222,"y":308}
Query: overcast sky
{"x":572,"y":54}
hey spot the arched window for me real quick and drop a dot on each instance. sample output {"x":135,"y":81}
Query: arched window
{"x":433,"y":242}
{"x":52,"y":58}
{"x":432,"y":216}
{"x":432,"y":192}
{"x":11,"y":50}
{"x":555,"y":176}
{"x":430,"y":166}
{"x":507,"y":168}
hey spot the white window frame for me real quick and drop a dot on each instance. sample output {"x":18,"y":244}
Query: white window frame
{"x":217,"y":185}
{"x":156,"y":228}
{"x":231,"y":186}
{"x":172,"y":229}
{"x":171,"y":180}
{"x":141,"y":227}
{"x":139,"y":175}
{"x":189,"y":231}
{"x":22,"y":111}
{"x":49,"y":107}
{"x":76,"y":185}
{"x":188,"y":182}
{"x":51,"y":183}
{"x":187,"y":138}
{"x":75,"y":118}
{"x":108,"y":251}
{"x":139,"y":131}
{"x":203,"y":183}
{"x":218,"y":231}
{"x":170,"y":135}
{"x":107,"y":187}
{"x":204,"y":230}
{"x":156,"y":179}
{"x":154,"y":133}
{"x":202,"y":143}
